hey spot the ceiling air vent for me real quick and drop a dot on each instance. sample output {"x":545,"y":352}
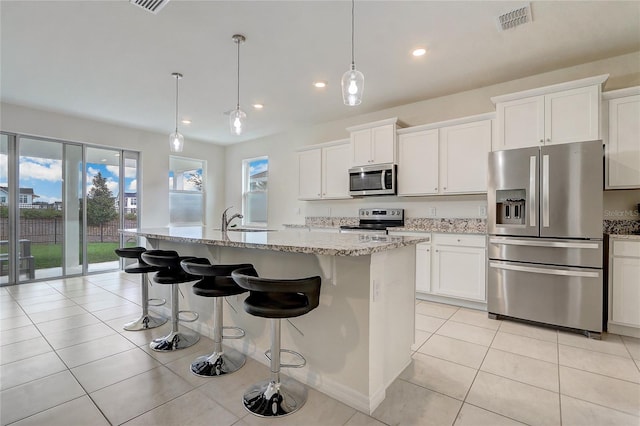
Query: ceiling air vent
{"x":515,"y":17}
{"x":152,"y":6}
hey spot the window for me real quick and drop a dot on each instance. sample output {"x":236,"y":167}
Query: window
{"x":24,"y":199}
{"x":186,"y":191}
{"x":255,"y":177}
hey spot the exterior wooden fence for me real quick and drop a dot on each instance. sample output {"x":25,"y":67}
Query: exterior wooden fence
{"x":51,"y":231}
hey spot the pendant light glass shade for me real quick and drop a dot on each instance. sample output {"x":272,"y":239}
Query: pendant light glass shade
{"x":352,"y":86}
{"x":176,"y":140}
{"x":237,"y":117}
{"x":236,"y":121}
{"x":352,"y":80}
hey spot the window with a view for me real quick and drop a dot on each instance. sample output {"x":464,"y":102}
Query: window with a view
{"x":255,"y":177}
{"x":186,"y":190}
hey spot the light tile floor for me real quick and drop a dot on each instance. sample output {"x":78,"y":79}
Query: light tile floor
{"x":65,"y":360}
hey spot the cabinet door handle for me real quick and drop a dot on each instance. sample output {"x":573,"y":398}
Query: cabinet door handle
{"x":548,"y":139}
{"x":541,"y":140}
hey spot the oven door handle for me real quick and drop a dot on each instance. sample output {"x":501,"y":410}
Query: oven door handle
{"x":548,"y":271}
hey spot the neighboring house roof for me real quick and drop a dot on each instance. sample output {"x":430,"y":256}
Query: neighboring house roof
{"x":261,"y":175}
{"x":23,"y":191}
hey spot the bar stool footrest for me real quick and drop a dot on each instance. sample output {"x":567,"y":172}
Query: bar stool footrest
{"x":301,"y":364}
{"x":194,"y":313}
{"x":156,"y":302}
{"x":240,"y":333}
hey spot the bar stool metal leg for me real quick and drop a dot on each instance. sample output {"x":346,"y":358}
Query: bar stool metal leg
{"x":220,"y":361}
{"x":178,"y":338}
{"x":273,"y":397}
{"x":146,"y":321}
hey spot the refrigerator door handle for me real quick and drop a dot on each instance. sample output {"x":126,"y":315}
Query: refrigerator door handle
{"x":545,"y":191}
{"x":537,"y":243}
{"x":532,"y":190}
{"x":534,"y":270}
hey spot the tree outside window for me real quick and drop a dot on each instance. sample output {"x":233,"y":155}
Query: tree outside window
{"x":254,"y":190}
{"x":101,"y":204}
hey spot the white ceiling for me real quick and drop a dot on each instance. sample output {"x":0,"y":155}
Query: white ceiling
{"x":112,"y":61}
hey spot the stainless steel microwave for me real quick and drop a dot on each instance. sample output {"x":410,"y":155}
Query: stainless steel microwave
{"x":376,"y":179}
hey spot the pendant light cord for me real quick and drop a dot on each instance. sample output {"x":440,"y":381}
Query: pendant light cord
{"x":238,"y":75}
{"x":353,"y":3}
{"x":177,"y":78}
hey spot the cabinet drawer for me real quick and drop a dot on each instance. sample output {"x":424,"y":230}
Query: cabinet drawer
{"x":626,"y":248}
{"x":460,"y":240}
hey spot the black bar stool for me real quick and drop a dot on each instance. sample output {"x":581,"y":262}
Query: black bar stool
{"x":146,"y":321}
{"x":277,"y":299}
{"x":216,"y":282}
{"x":171,"y":272}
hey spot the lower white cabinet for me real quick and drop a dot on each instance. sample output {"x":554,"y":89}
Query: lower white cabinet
{"x":459,"y":266}
{"x":624,"y":287}
{"x":451,"y":268}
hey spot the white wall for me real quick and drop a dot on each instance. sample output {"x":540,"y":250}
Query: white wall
{"x":154,"y":148}
{"x":283,"y":174}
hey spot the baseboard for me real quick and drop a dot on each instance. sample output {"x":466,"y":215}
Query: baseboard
{"x":623,"y":330}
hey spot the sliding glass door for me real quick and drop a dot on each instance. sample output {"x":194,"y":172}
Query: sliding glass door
{"x":61,"y":205}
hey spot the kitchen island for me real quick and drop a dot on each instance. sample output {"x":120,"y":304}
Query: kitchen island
{"x":356,"y":342}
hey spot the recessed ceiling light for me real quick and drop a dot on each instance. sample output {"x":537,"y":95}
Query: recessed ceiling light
{"x":186,"y":121}
{"x":258,"y":106}
{"x":419,"y":52}
{"x":320,"y":84}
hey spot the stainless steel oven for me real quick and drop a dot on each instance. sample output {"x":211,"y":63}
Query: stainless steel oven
{"x":377,"y":179}
{"x":375,"y":221}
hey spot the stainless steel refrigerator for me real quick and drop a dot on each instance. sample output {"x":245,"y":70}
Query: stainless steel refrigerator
{"x":545,"y":235}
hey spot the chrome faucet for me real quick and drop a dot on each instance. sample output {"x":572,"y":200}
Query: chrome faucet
{"x":225,"y":221}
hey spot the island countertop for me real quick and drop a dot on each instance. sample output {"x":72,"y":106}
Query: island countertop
{"x":290,"y":240}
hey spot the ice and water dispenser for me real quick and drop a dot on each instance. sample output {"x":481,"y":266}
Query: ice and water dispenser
{"x":510,"y":207}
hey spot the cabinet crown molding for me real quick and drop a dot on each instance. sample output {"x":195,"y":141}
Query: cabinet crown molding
{"x":323,"y":145}
{"x":393,"y":120}
{"x":446,"y":123}
{"x":590,"y":81}
{"x":621,"y":93}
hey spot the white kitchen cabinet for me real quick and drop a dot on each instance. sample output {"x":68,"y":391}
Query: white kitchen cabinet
{"x":373,"y":143}
{"x":418,"y":163}
{"x":463,"y":157}
{"x":623,"y":144}
{"x":335,"y":171}
{"x":445,"y":158}
{"x":323,"y":172}
{"x":423,"y":259}
{"x":310,"y":174}
{"x":459,"y":266}
{"x":562,"y":113}
{"x":624,"y":287}
{"x":423,"y":267}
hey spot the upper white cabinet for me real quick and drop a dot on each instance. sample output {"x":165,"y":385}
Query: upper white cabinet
{"x":445,"y":158}
{"x":373,"y":143}
{"x":323,"y":171}
{"x":418,"y":163}
{"x":562,"y":113}
{"x":463,"y":157}
{"x":623,"y":145}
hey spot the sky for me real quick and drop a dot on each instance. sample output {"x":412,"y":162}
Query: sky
{"x":45,"y":177}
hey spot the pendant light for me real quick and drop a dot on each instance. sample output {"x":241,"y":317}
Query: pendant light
{"x":237,"y":116}
{"x":352,"y":80}
{"x":176,"y":140}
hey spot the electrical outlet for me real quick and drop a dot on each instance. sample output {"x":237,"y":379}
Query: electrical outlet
{"x":431,"y":212}
{"x":482,"y":211}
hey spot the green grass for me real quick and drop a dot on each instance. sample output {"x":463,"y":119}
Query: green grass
{"x":50,"y":255}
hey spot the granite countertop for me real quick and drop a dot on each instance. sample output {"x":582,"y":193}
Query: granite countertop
{"x":438,"y":225}
{"x":290,"y":240}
